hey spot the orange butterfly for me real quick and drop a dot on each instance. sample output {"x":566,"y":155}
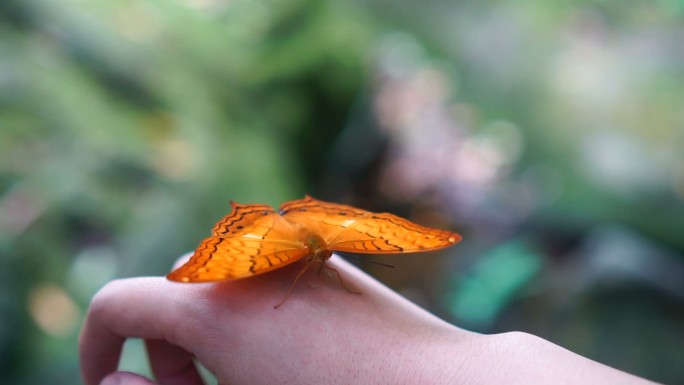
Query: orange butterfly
{"x":254,"y":239}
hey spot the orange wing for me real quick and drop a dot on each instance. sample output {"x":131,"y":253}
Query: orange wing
{"x":345,"y":228}
{"x":245,"y":219}
{"x":251,"y":240}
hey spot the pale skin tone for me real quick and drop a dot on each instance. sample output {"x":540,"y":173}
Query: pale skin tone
{"x":322,"y":334}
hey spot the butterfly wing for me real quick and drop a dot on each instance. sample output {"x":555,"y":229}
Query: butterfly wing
{"x":345,"y":228}
{"x":219,"y":259}
{"x":255,"y":219}
{"x":251,"y":240}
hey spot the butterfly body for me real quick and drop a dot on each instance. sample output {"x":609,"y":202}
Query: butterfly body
{"x":317,"y":247}
{"x":255,"y":239}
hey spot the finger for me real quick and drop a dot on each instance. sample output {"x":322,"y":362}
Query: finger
{"x":171,"y":364}
{"x":119,"y":310}
{"x":126,"y":378}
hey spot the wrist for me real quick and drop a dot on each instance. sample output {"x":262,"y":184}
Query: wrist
{"x":522,"y":358}
{"x":433,"y":355}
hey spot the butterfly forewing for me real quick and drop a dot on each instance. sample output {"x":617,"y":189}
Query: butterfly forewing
{"x":345,"y":228}
{"x":218,"y":259}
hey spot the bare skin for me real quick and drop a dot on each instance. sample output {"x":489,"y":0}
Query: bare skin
{"x":321,"y":335}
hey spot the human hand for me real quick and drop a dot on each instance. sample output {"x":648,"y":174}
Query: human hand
{"x":322,"y":334}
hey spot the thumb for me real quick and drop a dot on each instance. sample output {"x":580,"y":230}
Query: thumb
{"x":126,"y":378}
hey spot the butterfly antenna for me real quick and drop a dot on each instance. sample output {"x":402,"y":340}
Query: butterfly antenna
{"x":354,"y":257}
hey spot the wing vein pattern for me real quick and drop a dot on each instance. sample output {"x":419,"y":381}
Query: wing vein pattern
{"x":238,"y":246}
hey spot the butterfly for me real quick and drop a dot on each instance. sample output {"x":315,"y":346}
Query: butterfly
{"x":254,"y":239}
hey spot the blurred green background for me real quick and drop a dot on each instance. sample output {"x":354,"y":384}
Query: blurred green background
{"x":550,"y":134}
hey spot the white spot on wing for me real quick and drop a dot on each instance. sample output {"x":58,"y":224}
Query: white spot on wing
{"x":348,"y":222}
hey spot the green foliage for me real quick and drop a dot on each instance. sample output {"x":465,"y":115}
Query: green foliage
{"x":127,"y":126}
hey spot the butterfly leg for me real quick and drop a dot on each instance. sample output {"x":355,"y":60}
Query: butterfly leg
{"x":339,"y":278}
{"x":292,"y":286}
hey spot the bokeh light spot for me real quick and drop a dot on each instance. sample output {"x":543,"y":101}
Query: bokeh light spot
{"x":53,"y":310}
